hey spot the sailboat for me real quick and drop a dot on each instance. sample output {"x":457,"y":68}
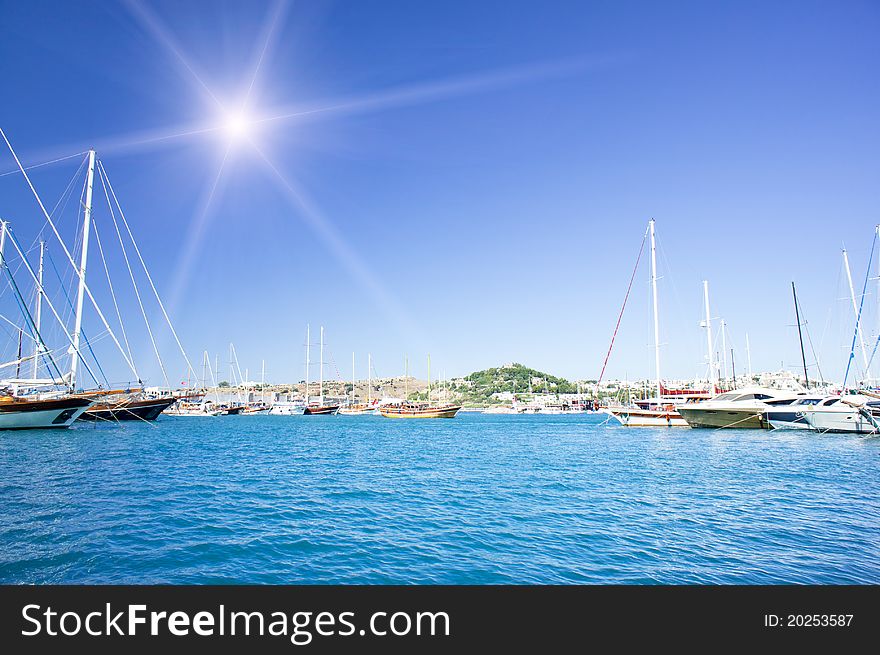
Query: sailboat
{"x":410,"y":409}
{"x":660,"y":411}
{"x":356,"y":409}
{"x":319,"y":409}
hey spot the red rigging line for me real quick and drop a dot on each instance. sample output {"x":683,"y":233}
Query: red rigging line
{"x":623,"y":307}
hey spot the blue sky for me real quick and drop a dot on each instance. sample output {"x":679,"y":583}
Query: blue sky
{"x":467,"y":179}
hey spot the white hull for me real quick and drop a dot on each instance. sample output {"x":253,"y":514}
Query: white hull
{"x":833,"y":420}
{"x":286,"y":410}
{"x":647,"y":418}
{"x":39,"y":419}
{"x":789,"y":425}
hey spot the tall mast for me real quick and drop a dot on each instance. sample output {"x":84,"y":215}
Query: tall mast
{"x":405,"y":377}
{"x":429,"y":378}
{"x":308,"y":363}
{"x":87,"y":228}
{"x":39,"y":311}
{"x":724,"y":347}
{"x":321,"y":370}
{"x":656,"y":317}
{"x":709,"y":335}
{"x":797,"y":315}
{"x":352,"y":378}
{"x":852,"y":295}
{"x":749,"y":354}
{"x":369,"y":378}
{"x":263,"y":382}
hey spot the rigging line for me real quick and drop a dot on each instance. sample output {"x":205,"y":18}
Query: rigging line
{"x":146,"y":270}
{"x":112,"y":292}
{"x":623,"y":307}
{"x":65,"y":196}
{"x":859,"y":314}
{"x":813,"y":350}
{"x":45,"y":163}
{"x":85,"y":337}
{"x":102,"y":177}
{"x":25,"y":310}
{"x":69,"y":256}
{"x":15,"y":243}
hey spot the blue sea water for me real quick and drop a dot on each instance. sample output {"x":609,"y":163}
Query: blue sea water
{"x":478,"y":499}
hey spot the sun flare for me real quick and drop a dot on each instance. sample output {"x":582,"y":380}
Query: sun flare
{"x":237,"y":126}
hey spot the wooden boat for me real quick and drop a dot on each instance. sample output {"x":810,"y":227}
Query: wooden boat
{"x":128,"y":409}
{"x":320,"y":410}
{"x":17,"y":413}
{"x":419,"y":410}
{"x":185,"y":407}
{"x":357,"y":409}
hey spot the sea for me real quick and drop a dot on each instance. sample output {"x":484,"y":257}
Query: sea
{"x":479,"y":499}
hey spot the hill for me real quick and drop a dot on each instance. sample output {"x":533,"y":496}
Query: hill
{"x":479,"y":386}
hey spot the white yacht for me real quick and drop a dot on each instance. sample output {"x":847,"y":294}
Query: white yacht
{"x":788,"y":413}
{"x":741,"y":409}
{"x":287,"y":408}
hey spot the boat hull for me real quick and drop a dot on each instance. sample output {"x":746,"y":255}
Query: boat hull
{"x":356,"y":411}
{"x":137,"y":410}
{"x":744,"y":419}
{"x":323,"y":410}
{"x":42,"y":413}
{"x":430,"y":412}
{"x":787,"y":420}
{"x":645,"y":418}
{"x":853,"y":422}
{"x":286,"y":410}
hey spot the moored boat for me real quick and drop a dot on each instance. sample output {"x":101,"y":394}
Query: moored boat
{"x":357,"y":409}
{"x":127,"y":409}
{"x":320,"y":410}
{"x":419,"y":410}
{"x":743,"y":409}
{"x":17,"y":413}
{"x":850,"y":414}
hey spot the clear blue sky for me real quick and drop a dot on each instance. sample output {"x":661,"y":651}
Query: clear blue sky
{"x":477,"y":177}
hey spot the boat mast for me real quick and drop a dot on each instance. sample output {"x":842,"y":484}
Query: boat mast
{"x":369,"y":378}
{"x":428,"y":393}
{"x":308,"y":363}
{"x":749,"y":354}
{"x":709,"y":335}
{"x":797,"y":315}
{"x":852,"y":295}
{"x":405,"y":377}
{"x":321,"y":370}
{"x":87,"y":228}
{"x":263,"y":383}
{"x":724,"y":348}
{"x":656,"y":317}
{"x":352,"y":378}
{"x":39,"y":311}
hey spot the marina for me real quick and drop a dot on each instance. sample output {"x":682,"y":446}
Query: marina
{"x":439,"y":294}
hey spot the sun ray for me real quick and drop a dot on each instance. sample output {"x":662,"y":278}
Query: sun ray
{"x":151,"y":23}
{"x":442,"y":89}
{"x":344,"y":253}
{"x":195,"y":236}
{"x":270,"y":34}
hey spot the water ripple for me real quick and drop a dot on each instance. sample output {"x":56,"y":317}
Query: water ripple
{"x":481,"y":499}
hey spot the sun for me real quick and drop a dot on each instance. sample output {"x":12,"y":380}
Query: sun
{"x":237,"y":126}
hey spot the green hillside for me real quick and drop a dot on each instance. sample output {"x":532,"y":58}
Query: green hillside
{"x":478,"y":387}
